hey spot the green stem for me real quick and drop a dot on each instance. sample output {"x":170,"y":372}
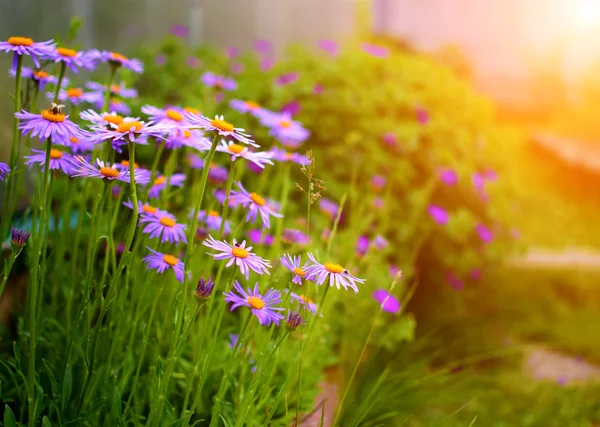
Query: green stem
{"x":61,"y":75}
{"x":226,"y":202}
{"x":107,"y":94}
{"x":13,"y":257}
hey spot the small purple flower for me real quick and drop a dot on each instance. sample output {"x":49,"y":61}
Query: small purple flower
{"x":116,"y":60}
{"x":394,"y":271}
{"x":378,"y":182}
{"x":165,"y":116}
{"x":127,"y":131}
{"x":286,"y":156}
{"x":193,"y":62}
{"x":485,"y":234}
{"x":114,"y":104}
{"x":286,"y":79}
{"x":328,"y":207}
{"x":18,"y":237}
{"x":256,"y":204}
{"x":330,"y":47}
{"x":263,"y":46}
{"x":263,"y":307}
{"x":293,"y":320}
{"x":438,"y":214}
{"x":362,"y":246}
{"x":247,"y":107}
{"x":378,"y":202}
{"x":216,"y":174}
{"x":448,"y":176}
{"x":218,"y":82}
{"x":162,"y":262}
{"x":422,"y":115}
{"x":380,"y":243}
{"x":160,"y":183}
{"x":284,"y":128}
{"x":58,"y":160}
{"x":454,"y":281}
{"x":213,"y":221}
{"x":221,"y":126}
{"x":304,"y":302}
{"x":293,"y":263}
{"x":116,"y":89}
{"x":204,"y":289}
{"x":238,"y":254}
{"x":81,"y":167}
{"x":73,"y":59}
{"x":236,"y":68}
{"x":179,"y":30}
{"x":337,"y":275}
{"x":318,"y":89}
{"x":266,"y":64}
{"x":374,"y":50}
{"x":293,"y":236}
{"x":50,"y":123}
{"x":4,"y":170}
{"x":387,"y":301}
{"x":258,"y":237}
{"x":74,"y":95}
{"x":160,"y":59}
{"x":475,"y":274}
{"x":40,"y":77}
{"x":292,"y":108}
{"x":232,"y":52}
{"x":26,"y":46}
{"x":259,"y":158}
{"x":164,"y":226}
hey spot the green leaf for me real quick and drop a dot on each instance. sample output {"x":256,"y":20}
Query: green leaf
{"x":74,"y":27}
{"x":9,"y":417}
{"x":17,"y":353}
{"x":159,"y":370}
{"x":72,"y":423}
{"x":54,"y":387}
{"x":117,"y":404}
{"x":46,"y":422}
{"x":67,"y":386}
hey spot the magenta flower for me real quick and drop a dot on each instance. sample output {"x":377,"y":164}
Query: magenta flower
{"x":256,"y":204}
{"x":73,"y":59}
{"x":485,"y":234}
{"x":116,"y":90}
{"x":116,"y":60}
{"x":378,"y":182}
{"x":103,"y":171}
{"x":362,"y":246}
{"x":232,"y":52}
{"x":266,"y":64}
{"x":160,"y":184}
{"x":387,"y":301}
{"x":335,"y":273}
{"x":438,"y":214}
{"x":475,"y":274}
{"x":160,"y":59}
{"x":263,"y":46}
{"x":284,"y":128}
{"x":221,"y":126}
{"x":4,"y":170}
{"x":238,"y":254}
{"x":293,"y":236}
{"x":294,"y":264}
{"x":374,"y":50}
{"x":218,"y":82}
{"x":237,"y":68}
{"x":304,"y":302}
{"x":193,"y":61}
{"x":422,"y":115}
{"x":448,"y":176}
{"x":291,"y":108}
{"x":179,"y":30}
{"x":163,"y":262}
{"x":58,"y":160}
{"x":286,"y":79}
{"x":328,"y":207}
{"x":330,"y":47}
{"x":258,"y":237}
{"x":377,"y":202}
{"x":318,"y":89}
{"x":286,"y":156}
{"x":394,"y":271}
{"x":380,"y":243}
{"x":454,"y":281}
{"x":213,"y":221}
{"x":263,"y":307}
{"x":164,"y":226}
{"x":51,"y":123}
{"x":26,"y":46}
{"x":389,"y":138}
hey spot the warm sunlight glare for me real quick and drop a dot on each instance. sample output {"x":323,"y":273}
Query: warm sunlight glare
{"x":587,"y":12}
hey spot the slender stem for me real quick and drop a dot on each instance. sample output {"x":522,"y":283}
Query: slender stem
{"x":111,"y":77}
{"x":61,"y":75}
{"x":227,"y":194}
{"x":13,"y":257}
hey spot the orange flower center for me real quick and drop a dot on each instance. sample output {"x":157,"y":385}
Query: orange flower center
{"x":192,"y":110}
{"x":252,"y":105}
{"x":74,"y":140}
{"x":63,"y":51}
{"x":149,"y":209}
{"x":260,"y":201}
{"x":74,"y":93}
{"x":41,"y":74}
{"x":285,"y":123}
{"x":171,"y":260}
{"x":299,"y":272}
{"x":239,"y":252}
{"x":333,"y":268}
{"x":256,"y":302}
{"x":116,"y":120}
{"x":160,"y":180}
{"x":187,"y":133}
{"x":287,"y":156}
{"x":109,"y":172}
{"x":20,"y":41}
{"x":115,"y":101}
{"x":235,"y":148}
{"x":118,"y":57}
{"x":115,"y":88}
{"x":167,"y":222}
{"x":306,"y":300}
{"x":213,"y":213}
{"x":55,"y":154}
{"x":52,"y":117}
{"x":222,"y":125}
{"x":126,"y":126}
{"x":174,"y":115}
{"x":126,"y":164}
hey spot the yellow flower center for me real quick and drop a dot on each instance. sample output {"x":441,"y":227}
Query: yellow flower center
{"x":287,"y":156}
{"x":333,"y":268}
{"x":118,"y":57}
{"x":299,"y":272}
{"x":126,"y":126}
{"x":256,"y":303}
{"x":235,"y":148}
{"x":115,"y":120}
{"x":109,"y":172}
{"x":41,"y":74}
{"x":74,"y":93}
{"x":53,"y":117}
{"x":20,"y":41}
{"x":285,"y":123}
{"x":55,"y":154}
{"x":222,"y":125}
{"x":174,"y":115}
{"x":125,"y":163}
{"x":239,"y":252}
{"x":74,"y":140}
{"x":63,"y":51}
{"x":260,"y":201}
{"x":171,"y":260}
{"x":160,"y":180}
{"x":306,"y":300}
{"x":115,"y":88}
{"x":252,"y":105}
{"x":187,"y":133}
{"x":192,"y":110}
{"x":115,"y":101}
{"x":149,"y":209}
{"x":167,"y":222}
{"x":213,"y":213}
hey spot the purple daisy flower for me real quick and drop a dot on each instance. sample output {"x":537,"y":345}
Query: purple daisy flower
{"x":122,"y":133}
{"x":116,"y":60}
{"x":204,"y":289}
{"x":114,"y":104}
{"x":286,"y":156}
{"x":238,"y":254}
{"x":387,"y":301}
{"x":318,"y":89}
{"x":293,"y":263}
{"x":328,"y":207}
{"x":337,"y":275}
{"x":160,"y":184}
{"x":292,"y":107}
{"x":263,"y":46}
{"x":4,"y":170}
{"x":374,"y":50}
{"x":103,"y":171}
{"x":438,"y":214}
{"x":50,"y":123}
{"x":19,"y":237}
{"x":74,"y":95}
{"x":485,"y":234}
{"x":115,"y":89}
{"x":247,"y":107}
{"x":330,"y":47}
{"x":72,"y":59}
{"x":123,"y":165}
{"x":213,"y":221}
{"x":216,"y":174}
{"x":448,"y":176}
{"x":162,"y":262}
{"x":259,"y":158}
{"x":58,"y":160}
{"x":266,"y":64}
{"x":163,"y":225}
{"x":255,"y":204}
{"x":79,"y":146}
{"x":284,"y":128}
{"x":165,"y":116}
{"x":293,"y":320}
{"x":293,"y":236}
{"x":144,"y":208}
{"x":380,"y":243}
{"x":26,"y":46}
{"x":179,"y":30}
{"x":263,"y":307}
{"x":362,"y":246}
{"x":218,"y":82}
{"x":40,"y":77}
{"x":258,"y":237}
{"x":187,"y":138}
{"x":221,"y":126}
{"x":286,"y":79}
{"x":232,"y":52}
{"x":304,"y":302}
